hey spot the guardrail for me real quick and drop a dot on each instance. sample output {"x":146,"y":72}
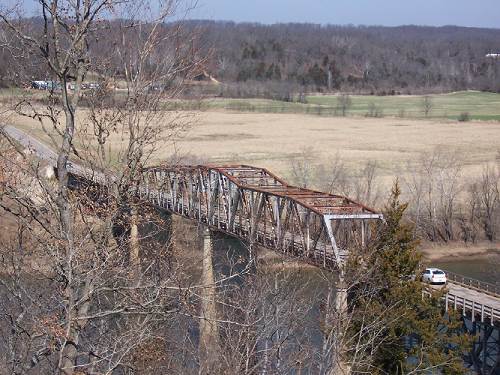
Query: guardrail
{"x":468,"y":282}
{"x":478,"y":311}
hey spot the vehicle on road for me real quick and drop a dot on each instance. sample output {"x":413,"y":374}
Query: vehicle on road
{"x":434,"y":276}
{"x":46,"y":85}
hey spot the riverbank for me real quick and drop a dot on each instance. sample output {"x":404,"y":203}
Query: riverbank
{"x":459,"y":251}
{"x":451,"y":252}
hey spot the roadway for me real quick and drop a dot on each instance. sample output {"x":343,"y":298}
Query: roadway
{"x":474,"y":295}
{"x":44,"y":152}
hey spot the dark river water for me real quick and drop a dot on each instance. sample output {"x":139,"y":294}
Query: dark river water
{"x":481,"y":269}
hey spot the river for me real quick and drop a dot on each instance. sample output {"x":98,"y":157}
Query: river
{"x":487,"y":269}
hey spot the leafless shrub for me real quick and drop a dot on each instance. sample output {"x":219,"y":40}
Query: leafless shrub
{"x":427,"y":105}
{"x":434,"y":184}
{"x":302,"y":167}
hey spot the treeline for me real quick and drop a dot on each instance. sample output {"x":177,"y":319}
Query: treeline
{"x":444,"y":203}
{"x":372,"y":60}
{"x":283,"y":60}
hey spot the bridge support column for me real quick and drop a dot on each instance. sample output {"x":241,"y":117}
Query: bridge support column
{"x":341,"y":297}
{"x":209,"y":333}
{"x":340,"y":320}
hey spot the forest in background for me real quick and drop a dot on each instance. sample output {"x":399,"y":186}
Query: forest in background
{"x":283,"y":60}
{"x":359,"y":59}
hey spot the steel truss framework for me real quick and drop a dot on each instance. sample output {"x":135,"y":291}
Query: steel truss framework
{"x":484,"y":355}
{"x":260,"y":208}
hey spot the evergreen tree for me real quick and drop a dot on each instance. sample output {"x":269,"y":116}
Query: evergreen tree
{"x":413,"y":332}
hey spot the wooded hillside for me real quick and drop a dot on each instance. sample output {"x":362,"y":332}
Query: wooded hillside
{"x":254,"y":60}
{"x":379,"y":60}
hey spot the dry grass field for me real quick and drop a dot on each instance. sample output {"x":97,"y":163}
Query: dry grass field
{"x":272,"y":140}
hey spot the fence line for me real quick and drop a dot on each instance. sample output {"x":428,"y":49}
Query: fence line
{"x":470,"y":283}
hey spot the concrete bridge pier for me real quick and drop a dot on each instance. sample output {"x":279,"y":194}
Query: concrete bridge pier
{"x":341,"y":297}
{"x":144,"y":235}
{"x":223,"y":256}
{"x":339,"y":319}
{"x":209,"y":332}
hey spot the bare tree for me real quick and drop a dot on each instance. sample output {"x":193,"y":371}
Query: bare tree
{"x":344,"y":103}
{"x":470,"y":215}
{"x":334,"y":177}
{"x":302,"y":167}
{"x":434,"y":184}
{"x":95,"y":292}
{"x":361,"y":183}
{"x":489,"y":196}
{"x":267,"y":320}
{"x":367,"y":188}
{"x":427,"y":105}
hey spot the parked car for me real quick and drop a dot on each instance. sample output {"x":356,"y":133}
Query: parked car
{"x":46,"y":85}
{"x":434,"y":276}
{"x":90,"y":86}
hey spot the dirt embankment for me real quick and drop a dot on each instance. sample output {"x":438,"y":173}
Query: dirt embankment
{"x":459,"y":251}
{"x":456,"y":251}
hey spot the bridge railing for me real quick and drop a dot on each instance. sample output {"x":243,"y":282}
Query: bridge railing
{"x":470,"y":308}
{"x":477,"y":311}
{"x":470,"y":283}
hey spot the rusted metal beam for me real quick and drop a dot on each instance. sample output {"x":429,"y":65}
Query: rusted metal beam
{"x":258,"y":206}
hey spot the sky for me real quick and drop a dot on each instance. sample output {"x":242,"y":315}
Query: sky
{"x":475,"y":13}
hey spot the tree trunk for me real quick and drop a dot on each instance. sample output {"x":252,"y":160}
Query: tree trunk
{"x":134,"y":246}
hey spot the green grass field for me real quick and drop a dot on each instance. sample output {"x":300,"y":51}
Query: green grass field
{"x":478,"y":105}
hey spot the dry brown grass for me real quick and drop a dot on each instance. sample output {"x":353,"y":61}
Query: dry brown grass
{"x":271,"y":140}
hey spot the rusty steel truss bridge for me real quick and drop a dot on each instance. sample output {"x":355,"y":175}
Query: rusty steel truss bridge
{"x":249,"y":203}
{"x":260,"y":208}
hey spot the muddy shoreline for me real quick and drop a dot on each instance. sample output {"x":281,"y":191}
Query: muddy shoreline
{"x":460,"y":252}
